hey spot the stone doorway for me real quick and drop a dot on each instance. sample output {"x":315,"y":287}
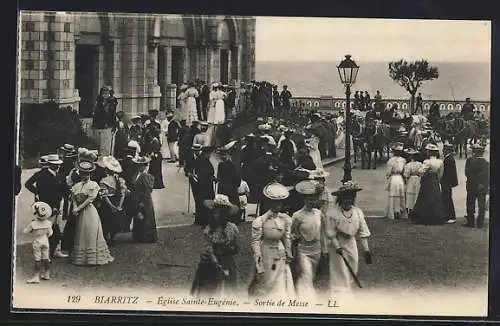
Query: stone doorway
{"x":224,"y":66}
{"x":177,"y":65}
{"x":87,"y":77}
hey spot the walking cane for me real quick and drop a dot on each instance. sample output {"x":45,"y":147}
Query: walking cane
{"x":189,"y":195}
{"x":351,"y":271}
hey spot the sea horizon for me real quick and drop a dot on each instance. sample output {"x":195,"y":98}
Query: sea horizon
{"x":457,"y":79}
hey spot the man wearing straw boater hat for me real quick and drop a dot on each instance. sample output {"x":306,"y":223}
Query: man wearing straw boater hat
{"x":448,"y":181}
{"x":48,"y":188}
{"x":477,"y":172}
{"x":70,"y":156}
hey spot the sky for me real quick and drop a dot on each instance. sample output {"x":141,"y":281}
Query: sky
{"x":329,"y":39}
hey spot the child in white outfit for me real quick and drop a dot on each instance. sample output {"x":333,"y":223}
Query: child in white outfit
{"x":41,"y":229}
{"x":243,"y":192}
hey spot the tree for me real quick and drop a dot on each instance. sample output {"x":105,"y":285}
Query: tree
{"x":411,"y":75}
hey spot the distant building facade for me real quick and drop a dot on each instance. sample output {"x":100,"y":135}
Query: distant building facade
{"x":67,"y":57}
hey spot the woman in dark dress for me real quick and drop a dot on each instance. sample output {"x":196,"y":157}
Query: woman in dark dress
{"x":428,"y":209}
{"x":216,"y":273}
{"x":155,"y":165}
{"x":144,"y":230}
{"x":228,"y":176}
{"x":121,"y":137}
{"x":113,"y":192}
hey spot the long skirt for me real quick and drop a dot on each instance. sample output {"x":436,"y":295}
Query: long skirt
{"x":412,"y":190}
{"x":210,"y":281}
{"x":104,"y":138}
{"x":191,"y":112}
{"x":428,"y":209}
{"x":155,"y":169}
{"x":396,"y":202}
{"x":340,"y":278}
{"x":144,"y":230}
{"x":307,"y":268}
{"x":90,"y":247}
{"x":69,"y":233}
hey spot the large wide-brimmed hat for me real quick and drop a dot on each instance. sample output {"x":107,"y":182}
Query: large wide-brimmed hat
{"x":141,"y":160}
{"x":85,"y":166}
{"x":203,"y":124}
{"x":308,"y":188}
{"x":54,"y":159}
{"x":478,"y":148}
{"x":112,"y":164}
{"x":221,"y":201}
{"x":135,"y":118}
{"x":431,"y":147}
{"x":348,"y":187}
{"x":41,"y":209}
{"x":276,"y":191}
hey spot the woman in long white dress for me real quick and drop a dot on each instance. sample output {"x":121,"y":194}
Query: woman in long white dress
{"x":271,"y":247}
{"x":411,"y":175}
{"x":395,"y":184}
{"x":191,"y":112}
{"x":219,"y":115}
{"x":343,"y":224}
{"x":307,"y":234}
{"x":216,"y":114}
{"x":312,"y":143}
{"x":90,"y":247}
{"x":182,"y":98}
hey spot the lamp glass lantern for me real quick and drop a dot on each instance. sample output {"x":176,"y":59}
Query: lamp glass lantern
{"x":348,"y":71}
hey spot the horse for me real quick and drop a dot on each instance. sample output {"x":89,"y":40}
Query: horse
{"x":358,"y":141}
{"x":377,"y":139}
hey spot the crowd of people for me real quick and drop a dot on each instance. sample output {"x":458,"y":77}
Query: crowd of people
{"x":420,"y":184}
{"x":299,"y":227}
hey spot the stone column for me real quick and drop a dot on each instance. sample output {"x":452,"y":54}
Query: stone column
{"x":113,"y":58}
{"x":186,"y":65}
{"x":128,"y":68}
{"x":229,"y":66}
{"x":154,"y":91}
{"x":213,"y":63}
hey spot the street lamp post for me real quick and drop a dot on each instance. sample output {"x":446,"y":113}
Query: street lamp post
{"x":348,"y":71}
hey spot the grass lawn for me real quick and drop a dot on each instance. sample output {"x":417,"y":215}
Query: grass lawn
{"x":405,"y":256}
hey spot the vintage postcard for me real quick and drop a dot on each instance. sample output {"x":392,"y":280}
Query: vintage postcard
{"x":183,"y":163}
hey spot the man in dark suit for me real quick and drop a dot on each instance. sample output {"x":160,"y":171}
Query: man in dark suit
{"x":172,"y":136}
{"x":204,"y":99}
{"x":47,"y":187}
{"x":477,"y":172}
{"x":449,"y":180}
{"x":202,"y":179}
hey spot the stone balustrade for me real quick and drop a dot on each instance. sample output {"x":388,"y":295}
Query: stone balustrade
{"x":328,"y":103}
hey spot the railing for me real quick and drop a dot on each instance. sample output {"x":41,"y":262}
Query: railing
{"x":328,"y":103}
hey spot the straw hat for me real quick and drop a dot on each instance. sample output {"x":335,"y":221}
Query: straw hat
{"x":250,"y":135}
{"x":54,"y":159}
{"x":141,"y":160}
{"x":431,"y":147}
{"x":448,"y":145}
{"x":228,"y":146}
{"x":196,"y":147}
{"x":41,"y":209}
{"x":221,"y":201}
{"x":276,"y":191}
{"x":308,"y":187}
{"x":68,"y":150}
{"x":477,"y":148}
{"x":135,"y":117}
{"x":112,"y":164}
{"x":411,"y":151}
{"x":264,"y":127}
{"x":85,"y":167}
{"x":43,"y":159}
{"x":318,"y":174}
{"x":348,"y":187}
